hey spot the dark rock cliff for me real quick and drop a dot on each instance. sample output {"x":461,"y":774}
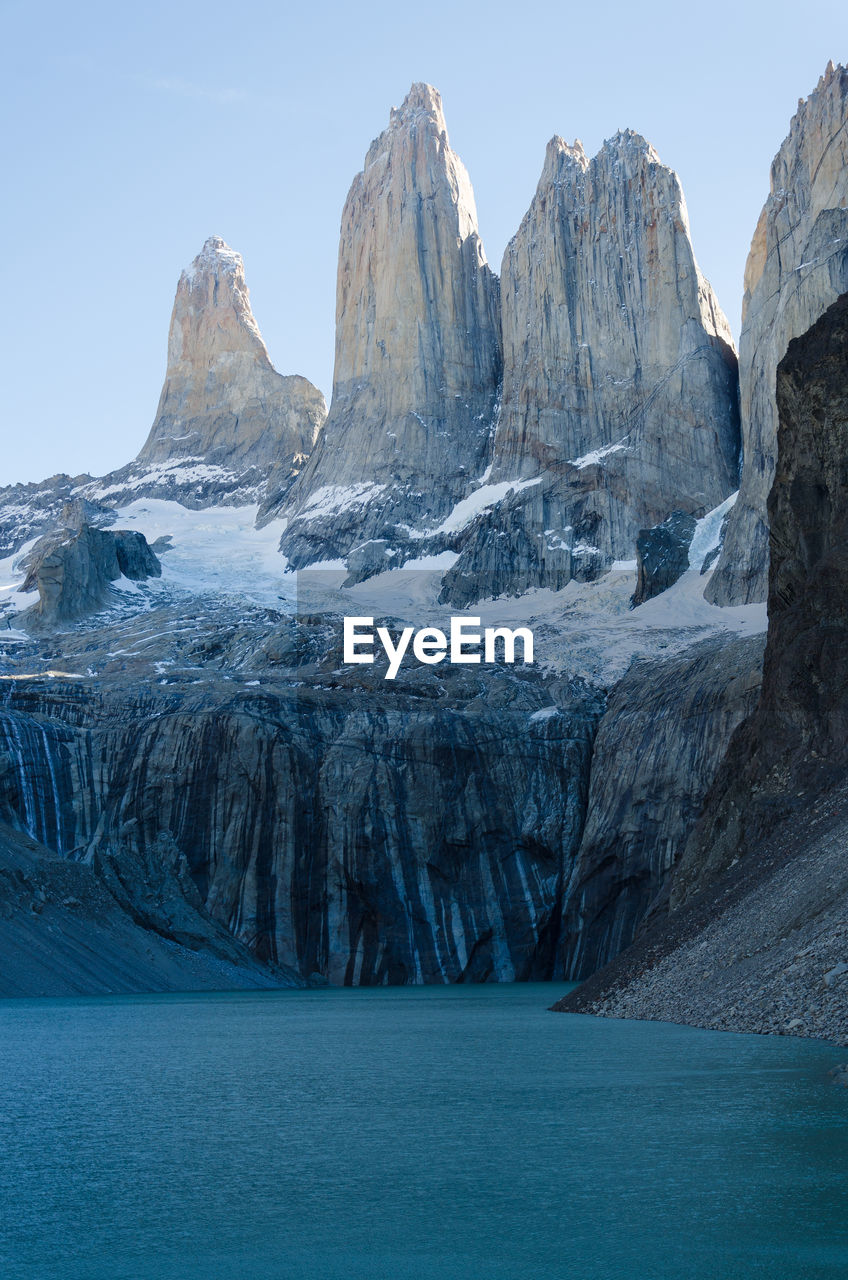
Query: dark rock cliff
{"x":795,"y":745}
{"x":757,"y":938}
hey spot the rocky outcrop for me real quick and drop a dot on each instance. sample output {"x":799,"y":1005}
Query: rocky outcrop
{"x":659,"y":744}
{"x":418,"y":354}
{"x":229,"y":429}
{"x":223,"y":403}
{"x":662,"y":555}
{"x":619,"y":375}
{"x":797,"y":266}
{"x":72,"y":572}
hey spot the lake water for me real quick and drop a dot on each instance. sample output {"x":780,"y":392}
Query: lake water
{"x":459,"y":1133}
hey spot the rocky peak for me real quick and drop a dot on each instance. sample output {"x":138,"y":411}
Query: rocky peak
{"x":558,"y":156}
{"x":602,"y":299}
{"x":212,"y":316}
{"x":797,"y":266}
{"x":620,"y":382}
{"x":223,"y":402}
{"x":418,"y":354}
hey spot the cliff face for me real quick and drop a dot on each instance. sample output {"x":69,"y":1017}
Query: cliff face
{"x":659,"y":743}
{"x":419,"y":834}
{"x":68,"y":929}
{"x":620,"y":393}
{"x":612,"y":337}
{"x":223,"y":402}
{"x":757,"y":937}
{"x":797,"y":266}
{"x":418,"y":353}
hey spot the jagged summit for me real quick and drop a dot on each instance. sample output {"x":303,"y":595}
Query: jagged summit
{"x":422,"y":97}
{"x":604,"y":308}
{"x":620,"y":384}
{"x":214,"y":260}
{"x":420,"y":109}
{"x":223,"y":402}
{"x":558,"y":155}
{"x":418,"y":354}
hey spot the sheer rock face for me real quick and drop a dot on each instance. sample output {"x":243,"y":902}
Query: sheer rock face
{"x":223,"y":402}
{"x":757,"y":937}
{"x":418,"y":356}
{"x":417,"y":835}
{"x":793,"y":747}
{"x":658,"y":747}
{"x":620,"y":379}
{"x":797,"y":266}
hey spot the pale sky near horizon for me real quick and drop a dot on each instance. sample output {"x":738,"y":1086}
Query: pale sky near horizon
{"x":133,"y":133}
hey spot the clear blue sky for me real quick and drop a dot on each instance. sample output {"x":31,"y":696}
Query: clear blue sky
{"x":135,"y":131}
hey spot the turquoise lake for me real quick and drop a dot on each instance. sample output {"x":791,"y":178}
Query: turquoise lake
{"x":410,"y":1134}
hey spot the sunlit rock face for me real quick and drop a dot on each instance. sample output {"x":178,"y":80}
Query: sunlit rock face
{"x":223,"y":402}
{"x":620,"y":380}
{"x":797,"y":266}
{"x":418,"y":351}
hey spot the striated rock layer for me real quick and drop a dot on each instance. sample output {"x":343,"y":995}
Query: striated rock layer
{"x":797,"y":266}
{"x":223,"y":402}
{"x":415,"y":832}
{"x":620,"y":381}
{"x":418,"y":353}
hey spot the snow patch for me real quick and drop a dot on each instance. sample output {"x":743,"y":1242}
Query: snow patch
{"x":444,"y":560}
{"x":186,"y":471}
{"x":218,"y":549}
{"x":545,"y":713}
{"x":332,"y":498}
{"x":480,"y":500}
{"x":597,"y":455}
{"x":707,"y":533}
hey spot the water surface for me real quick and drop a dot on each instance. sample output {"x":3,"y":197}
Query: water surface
{"x":460,"y":1133}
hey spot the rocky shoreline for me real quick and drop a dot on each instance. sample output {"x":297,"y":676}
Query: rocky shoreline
{"x":764,"y":950}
